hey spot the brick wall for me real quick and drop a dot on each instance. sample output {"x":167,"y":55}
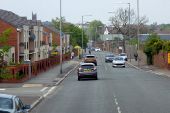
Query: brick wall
{"x":161,"y":60}
{"x":13,"y":37}
{"x":56,"y":38}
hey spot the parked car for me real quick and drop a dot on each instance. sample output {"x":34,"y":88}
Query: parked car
{"x":123,"y":55}
{"x":97,"y":49}
{"x":12,"y":104}
{"x":109,"y":58}
{"x":118,"y":62}
{"x":90,"y":59}
{"x":87,"y":70}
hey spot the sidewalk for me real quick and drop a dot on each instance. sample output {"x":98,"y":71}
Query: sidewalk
{"x":53,"y":75}
{"x":152,"y":69}
{"x":48,"y":79}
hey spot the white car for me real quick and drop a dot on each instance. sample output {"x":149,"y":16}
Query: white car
{"x":123,"y":55}
{"x":12,"y":104}
{"x":118,"y":62}
{"x":97,"y":49}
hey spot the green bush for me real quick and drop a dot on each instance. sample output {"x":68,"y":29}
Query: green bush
{"x":152,"y":46}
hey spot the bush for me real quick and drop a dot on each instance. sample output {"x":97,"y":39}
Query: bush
{"x":152,"y":46}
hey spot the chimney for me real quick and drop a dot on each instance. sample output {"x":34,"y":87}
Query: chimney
{"x":34,"y":17}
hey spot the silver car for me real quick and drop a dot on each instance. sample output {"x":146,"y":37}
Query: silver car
{"x":118,"y":62}
{"x":12,"y":104}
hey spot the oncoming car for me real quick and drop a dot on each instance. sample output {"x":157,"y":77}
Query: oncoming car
{"x":87,"y":70}
{"x":12,"y":104}
{"x":123,"y":55}
{"x":109,"y":58}
{"x":97,"y":49}
{"x":118,"y":62}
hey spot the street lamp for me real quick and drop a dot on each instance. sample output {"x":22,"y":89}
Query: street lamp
{"x":138,"y":29}
{"x":83,"y":31}
{"x":61,"y":54}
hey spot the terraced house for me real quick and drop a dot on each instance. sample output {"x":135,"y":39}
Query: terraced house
{"x":30,"y":39}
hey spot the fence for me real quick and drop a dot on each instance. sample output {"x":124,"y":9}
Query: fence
{"x":20,"y":73}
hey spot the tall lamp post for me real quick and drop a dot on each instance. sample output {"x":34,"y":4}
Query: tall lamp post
{"x":83,"y":31}
{"x":61,"y":45}
{"x":138,"y":29}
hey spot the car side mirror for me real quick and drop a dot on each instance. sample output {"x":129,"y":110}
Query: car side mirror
{"x":27,"y":107}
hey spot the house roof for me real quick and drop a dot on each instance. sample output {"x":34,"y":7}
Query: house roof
{"x":12,"y":18}
{"x":50,"y":26}
{"x":143,"y":37}
{"x":17,"y":21}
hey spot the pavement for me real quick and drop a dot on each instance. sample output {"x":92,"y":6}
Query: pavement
{"x":36,"y":89}
{"x":149,"y":68}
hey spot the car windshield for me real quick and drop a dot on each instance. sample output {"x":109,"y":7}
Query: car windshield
{"x":87,"y":66}
{"x":118,"y":58}
{"x":122,"y":54}
{"x":90,"y":56}
{"x":110,"y":56}
{"x":6,"y":103}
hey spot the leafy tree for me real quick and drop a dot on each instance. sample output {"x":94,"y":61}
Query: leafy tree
{"x":93,"y":29}
{"x":4,"y":43}
{"x":74,"y":31}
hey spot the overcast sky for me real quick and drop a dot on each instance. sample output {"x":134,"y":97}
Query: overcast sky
{"x":156,"y":10}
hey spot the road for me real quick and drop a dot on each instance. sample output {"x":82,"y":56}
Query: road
{"x":118,"y":90}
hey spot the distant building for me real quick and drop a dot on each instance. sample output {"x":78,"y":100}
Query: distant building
{"x":30,"y":39}
{"x":144,"y":37}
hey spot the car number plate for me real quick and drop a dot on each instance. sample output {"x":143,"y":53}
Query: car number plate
{"x":87,"y":70}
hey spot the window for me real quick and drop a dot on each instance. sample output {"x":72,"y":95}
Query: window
{"x":6,"y":103}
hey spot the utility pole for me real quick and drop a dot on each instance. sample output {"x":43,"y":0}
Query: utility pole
{"x":61,"y":45}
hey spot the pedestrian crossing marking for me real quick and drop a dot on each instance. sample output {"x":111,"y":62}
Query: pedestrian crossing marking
{"x":32,"y":85}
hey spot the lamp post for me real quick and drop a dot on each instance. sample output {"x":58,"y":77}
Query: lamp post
{"x":61,"y":51}
{"x":83,"y":31}
{"x":138,"y":29}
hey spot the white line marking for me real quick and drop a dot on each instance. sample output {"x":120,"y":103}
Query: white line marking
{"x":118,"y":109}
{"x":117,"y":104}
{"x":2,"y":89}
{"x":32,"y":85}
{"x":49,"y":91}
{"x":43,"y":89}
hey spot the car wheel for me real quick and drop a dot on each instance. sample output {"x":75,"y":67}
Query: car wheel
{"x":96,"y":78}
{"x":79,"y":78}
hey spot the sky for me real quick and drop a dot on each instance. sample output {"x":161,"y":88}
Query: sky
{"x":73,"y":10}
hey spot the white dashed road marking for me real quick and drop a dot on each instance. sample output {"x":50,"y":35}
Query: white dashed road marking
{"x":32,"y":85}
{"x":43,"y":89}
{"x":2,"y":89}
{"x":117,"y":105}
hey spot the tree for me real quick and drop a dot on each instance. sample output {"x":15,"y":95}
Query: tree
{"x":120,"y":21}
{"x":74,"y":31}
{"x":93,"y":29}
{"x":4,"y":43}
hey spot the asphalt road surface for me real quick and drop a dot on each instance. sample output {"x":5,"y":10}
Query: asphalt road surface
{"x":118,"y":90}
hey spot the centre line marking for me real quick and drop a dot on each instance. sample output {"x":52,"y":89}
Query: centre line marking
{"x":2,"y":89}
{"x":117,"y":104}
{"x":43,"y":89}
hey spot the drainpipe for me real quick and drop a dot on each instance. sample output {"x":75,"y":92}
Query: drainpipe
{"x":18,"y":36}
